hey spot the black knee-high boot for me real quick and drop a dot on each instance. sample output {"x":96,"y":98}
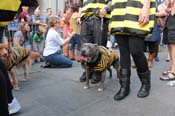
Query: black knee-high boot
{"x":145,"y":79}
{"x":125,"y":84}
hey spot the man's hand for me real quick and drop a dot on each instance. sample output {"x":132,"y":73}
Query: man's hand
{"x":144,"y":16}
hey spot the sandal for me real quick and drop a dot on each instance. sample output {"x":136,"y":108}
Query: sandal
{"x":167,"y":60}
{"x":170,"y":76}
{"x":166,"y":72}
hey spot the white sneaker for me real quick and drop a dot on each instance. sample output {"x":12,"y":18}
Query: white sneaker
{"x":14,"y":107}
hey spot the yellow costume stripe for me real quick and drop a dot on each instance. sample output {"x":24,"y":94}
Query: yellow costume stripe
{"x":131,"y":24}
{"x":121,"y":1}
{"x":2,"y":24}
{"x":86,"y":14}
{"x":107,"y":58}
{"x":120,"y":11}
{"x":11,"y":5}
{"x":94,"y":5}
{"x":8,"y":10}
{"x":125,"y":14}
{"x":123,"y":11}
{"x":90,"y":8}
{"x":18,"y":55}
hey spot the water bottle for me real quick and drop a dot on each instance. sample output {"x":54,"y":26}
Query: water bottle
{"x":171,"y":83}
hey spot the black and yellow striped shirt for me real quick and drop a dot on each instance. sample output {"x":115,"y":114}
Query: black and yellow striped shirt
{"x":89,"y":7}
{"x":17,"y":55}
{"x":106,"y":60}
{"x":8,"y":9}
{"x":125,"y":15}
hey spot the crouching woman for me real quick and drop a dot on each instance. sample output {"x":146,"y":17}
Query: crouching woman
{"x":52,"y":51}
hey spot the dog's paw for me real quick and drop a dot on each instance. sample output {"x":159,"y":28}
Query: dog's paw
{"x":100,"y":89}
{"x":86,"y":87}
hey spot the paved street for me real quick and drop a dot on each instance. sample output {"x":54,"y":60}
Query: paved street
{"x":58,"y":92}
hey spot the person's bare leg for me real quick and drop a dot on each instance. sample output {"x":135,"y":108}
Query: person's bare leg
{"x":169,"y":52}
{"x":170,"y":55}
{"x":173,"y":58}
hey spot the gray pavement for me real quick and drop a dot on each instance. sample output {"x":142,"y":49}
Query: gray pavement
{"x":58,"y":92}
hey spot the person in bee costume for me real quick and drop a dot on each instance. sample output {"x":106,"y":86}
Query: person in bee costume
{"x":94,"y":20}
{"x":8,"y":104}
{"x":132,"y":21}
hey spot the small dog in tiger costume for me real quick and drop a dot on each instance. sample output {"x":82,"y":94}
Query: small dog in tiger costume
{"x":15,"y":57}
{"x":98,"y":59}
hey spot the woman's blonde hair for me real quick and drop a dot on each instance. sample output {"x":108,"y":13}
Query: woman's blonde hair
{"x":53,"y":21}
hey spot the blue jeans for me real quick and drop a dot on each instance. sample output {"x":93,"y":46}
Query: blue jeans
{"x":75,"y":41}
{"x":58,"y":60}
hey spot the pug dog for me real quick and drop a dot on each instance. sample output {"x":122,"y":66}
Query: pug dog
{"x":98,"y":59}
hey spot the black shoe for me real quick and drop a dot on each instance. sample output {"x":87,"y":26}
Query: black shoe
{"x":146,"y":84}
{"x":156,"y":59}
{"x":46,"y":65}
{"x":122,"y":93}
{"x":144,"y":91}
{"x":83,"y":77}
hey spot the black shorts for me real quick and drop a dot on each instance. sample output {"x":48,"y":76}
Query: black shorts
{"x":169,"y":30}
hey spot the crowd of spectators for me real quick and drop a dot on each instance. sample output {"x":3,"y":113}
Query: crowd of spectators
{"x":30,"y":30}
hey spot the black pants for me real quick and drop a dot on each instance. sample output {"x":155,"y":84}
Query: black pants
{"x":132,"y":45}
{"x":150,"y":47}
{"x":91,"y":31}
{"x":3,"y":96}
{"x":6,"y":95}
{"x":156,"y":48}
{"x":1,"y":33}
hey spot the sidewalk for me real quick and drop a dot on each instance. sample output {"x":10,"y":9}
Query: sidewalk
{"x":58,"y":92}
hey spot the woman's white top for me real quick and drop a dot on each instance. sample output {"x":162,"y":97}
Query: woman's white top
{"x":53,"y":43}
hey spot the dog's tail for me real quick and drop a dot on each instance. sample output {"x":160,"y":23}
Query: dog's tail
{"x":34,"y":55}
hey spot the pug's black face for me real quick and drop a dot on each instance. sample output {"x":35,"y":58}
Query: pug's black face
{"x":88,"y":52}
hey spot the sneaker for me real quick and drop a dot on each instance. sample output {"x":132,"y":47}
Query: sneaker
{"x":14,"y":107}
